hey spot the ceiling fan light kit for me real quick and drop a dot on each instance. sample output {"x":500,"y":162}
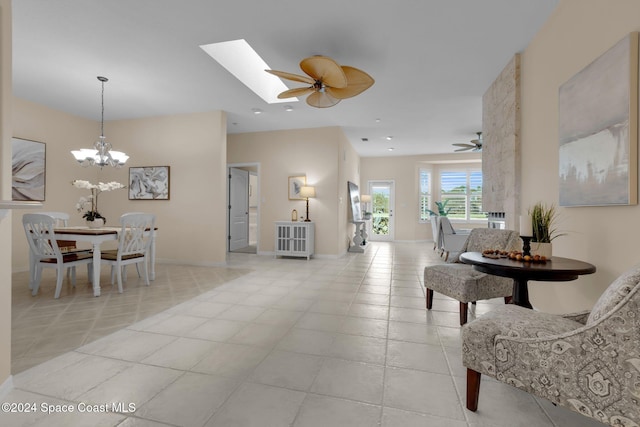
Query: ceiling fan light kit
{"x":329,"y":81}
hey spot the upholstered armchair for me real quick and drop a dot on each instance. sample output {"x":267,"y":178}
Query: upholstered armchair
{"x":462,"y":282}
{"x":450,"y":240}
{"x":587,"y":362}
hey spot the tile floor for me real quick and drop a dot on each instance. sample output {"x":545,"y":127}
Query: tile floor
{"x":276,"y":342}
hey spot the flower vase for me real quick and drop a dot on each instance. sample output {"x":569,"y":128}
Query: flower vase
{"x":542,"y":249}
{"x":96,"y":223}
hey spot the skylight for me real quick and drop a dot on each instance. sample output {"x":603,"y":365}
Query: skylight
{"x":247,"y":66}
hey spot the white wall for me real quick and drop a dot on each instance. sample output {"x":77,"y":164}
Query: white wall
{"x":404,"y":170}
{"x":191,"y":224}
{"x":5,"y":192}
{"x":576,"y":34}
{"x":324,"y":156}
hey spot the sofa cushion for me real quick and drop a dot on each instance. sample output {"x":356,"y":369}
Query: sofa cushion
{"x":615,"y":293}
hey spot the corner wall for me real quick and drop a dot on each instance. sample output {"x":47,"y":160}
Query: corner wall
{"x":349,"y":170}
{"x":191,"y":224}
{"x":285,"y":153}
{"x":5,"y":194}
{"x":576,"y":33}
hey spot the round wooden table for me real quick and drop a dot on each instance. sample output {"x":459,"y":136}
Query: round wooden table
{"x":557,"y":269}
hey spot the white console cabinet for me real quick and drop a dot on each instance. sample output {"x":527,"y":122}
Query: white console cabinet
{"x":295,"y":238}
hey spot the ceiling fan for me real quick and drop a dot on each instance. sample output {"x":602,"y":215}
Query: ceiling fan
{"x":329,"y":81}
{"x":474,"y":144}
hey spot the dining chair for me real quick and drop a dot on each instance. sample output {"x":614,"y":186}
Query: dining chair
{"x":66,"y":246}
{"x":45,"y":252}
{"x":134,"y":243}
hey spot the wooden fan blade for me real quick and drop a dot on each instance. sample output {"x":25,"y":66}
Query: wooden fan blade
{"x":358,"y":82}
{"x":294,"y":93}
{"x":463,"y":149}
{"x":321,"y":100}
{"x":464,"y":145}
{"x":291,"y":76}
{"x":324,"y":69}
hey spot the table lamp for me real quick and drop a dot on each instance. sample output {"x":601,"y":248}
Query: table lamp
{"x":307,"y":192}
{"x":365,"y":199}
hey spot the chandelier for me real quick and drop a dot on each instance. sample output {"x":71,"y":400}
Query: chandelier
{"x":101,"y":153}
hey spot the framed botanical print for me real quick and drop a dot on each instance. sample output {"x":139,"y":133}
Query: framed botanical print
{"x":149,"y":183}
{"x":28,"y":169}
{"x":295,"y":184}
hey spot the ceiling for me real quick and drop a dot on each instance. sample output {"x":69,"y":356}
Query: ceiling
{"x":432,"y":61}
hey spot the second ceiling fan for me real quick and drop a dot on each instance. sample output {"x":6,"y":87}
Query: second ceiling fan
{"x":474,"y":144}
{"x":329,"y":81}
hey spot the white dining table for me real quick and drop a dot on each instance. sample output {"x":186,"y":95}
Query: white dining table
{"x":97,"y":236}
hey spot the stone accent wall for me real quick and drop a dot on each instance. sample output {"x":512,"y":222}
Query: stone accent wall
{"x":501,"y":144}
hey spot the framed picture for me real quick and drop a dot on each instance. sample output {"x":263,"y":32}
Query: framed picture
{"x":295,"y":184}
{"x":598,"y":130}
{"x":28,"y":169}
{"x":149,"y":183}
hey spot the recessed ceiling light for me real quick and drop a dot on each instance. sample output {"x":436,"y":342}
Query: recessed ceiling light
{"x":378,"y":120}
{"x":389,"y":138}
{"x":288,"y":108}
{"x":256,"y":111}
{"x":364,"y":139}
{"x":390,"y":148}
{"x":247,"y":66}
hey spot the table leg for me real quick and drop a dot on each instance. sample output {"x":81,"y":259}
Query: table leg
{"x":153,"y":256}
{"x":521,"y":293}
{"x":96,"y":269}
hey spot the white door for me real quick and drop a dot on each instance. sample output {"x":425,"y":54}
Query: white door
{"x":238,"y":209}
{"x":382,"y":206}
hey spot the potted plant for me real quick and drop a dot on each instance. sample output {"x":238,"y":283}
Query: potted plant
{"x":442,"y":209}
{"x":89,"y":205}
{"x":543,"y":220}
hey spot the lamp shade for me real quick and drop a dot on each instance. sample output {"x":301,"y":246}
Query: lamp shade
{"x":365,"y":198}
{"x":308,"y":192}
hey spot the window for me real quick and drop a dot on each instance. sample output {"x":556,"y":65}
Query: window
{"x":425,"y":194}
{"x":461,"y":190}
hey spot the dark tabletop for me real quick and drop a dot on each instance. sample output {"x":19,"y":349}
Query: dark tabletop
{"x":555,"y":269}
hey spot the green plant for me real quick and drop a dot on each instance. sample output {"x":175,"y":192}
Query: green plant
{"x":543,"y":218}
{"x":442,"y":209}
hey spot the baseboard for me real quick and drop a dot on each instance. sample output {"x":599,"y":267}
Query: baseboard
{"x":6,"y":387}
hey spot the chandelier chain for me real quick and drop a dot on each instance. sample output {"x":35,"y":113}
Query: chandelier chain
{"x":102,"y":113}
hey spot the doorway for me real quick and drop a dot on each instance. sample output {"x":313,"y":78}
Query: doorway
{"x":382,"y":206}
{"x":243,"y":212}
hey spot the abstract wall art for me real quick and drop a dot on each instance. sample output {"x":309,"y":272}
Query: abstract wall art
{"x":149,"y":183}
{"x":598,"y":130}
{"x":28,"y":161}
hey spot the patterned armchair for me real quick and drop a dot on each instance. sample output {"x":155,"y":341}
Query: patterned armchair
{"x":588,"y":362}
{"x":462,"y":282}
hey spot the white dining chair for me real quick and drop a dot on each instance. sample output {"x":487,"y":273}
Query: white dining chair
{"x":66,"y":246}
{"x":45,"y":252}
{"x":134,"y":244}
